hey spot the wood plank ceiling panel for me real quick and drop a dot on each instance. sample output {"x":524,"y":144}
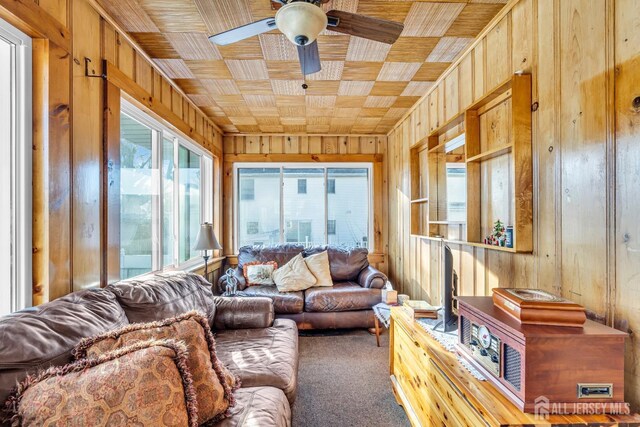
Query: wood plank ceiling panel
{"x":256,"y":85}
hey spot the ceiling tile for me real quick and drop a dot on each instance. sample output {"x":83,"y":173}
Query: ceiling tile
{"x":221,"y":87}
{"x":380,"y":101}
{"x":367,"y":50}
{"x":244,"y":49}
{"x":174,"y":15}
{"x":355,"y":88}
{"x":287,"y":87}
{"x":333,"y":48}
{"x":361,"y":70}
{"x":155,"y":45}
{"x":130,"y":15}
{"x":193,"y":46}
{"x":384,"y":9}
{"x":472,"y":19}
{"x":255,"y":69}
{"x":223,"y":15}
{"x":350,"y":101}
{"x":430,"y":71}
{"x":448,"y":49}
{"x":320,"y":101}
{"x":373,"y":112}
{"x":260,"y":100}
{"x":415,"y":48}
{"x":256,"y":87}
{"x":209,"y":69}
{"x":405,"y":101}
{"x":323,"y":87}
{"x":276,"y":47}
{"x":265,"y":111}
{"x":174,"y":68}
{"x":388,"y":88}
{"x":346,"y":112}
{"x":191,"y":86}
{"x":398,"y":71}
{"x":345,"y":5}
{"x":331,"y":70}
{"x":284,"y":70}
{"x":416,"y":89}
{"x":290,"y":101}
{"x":431,"y":19}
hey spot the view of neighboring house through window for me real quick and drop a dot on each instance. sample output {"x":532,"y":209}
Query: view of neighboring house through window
{"x":162,"y":202}
{"x":295,"y":203}
{"x":15,"y":169}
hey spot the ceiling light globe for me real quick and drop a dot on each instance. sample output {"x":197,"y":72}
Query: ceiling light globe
{"x":301,"y":22}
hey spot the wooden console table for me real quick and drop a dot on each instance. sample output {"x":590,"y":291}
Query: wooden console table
{"x":435,"y":390}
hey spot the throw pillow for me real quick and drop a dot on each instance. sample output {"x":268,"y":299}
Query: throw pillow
{"x":259,"y":273}
{"x":148,"y":383}
{"x":294,"y":276}
{"x":214,"y":393}
{"x":319,"y":266}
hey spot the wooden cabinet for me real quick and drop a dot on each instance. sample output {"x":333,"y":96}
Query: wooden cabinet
{"x":435,"y":390}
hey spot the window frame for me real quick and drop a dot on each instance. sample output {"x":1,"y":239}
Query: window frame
{"x":20,"y":217}
{"x":286,"y":165}
{"x":160,"y":132}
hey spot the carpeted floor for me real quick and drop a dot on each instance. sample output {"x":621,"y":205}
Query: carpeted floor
{"x":344,"y":381}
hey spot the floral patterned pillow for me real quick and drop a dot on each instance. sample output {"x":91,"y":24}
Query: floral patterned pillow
{"x":213,"y":383}
{"x":259,"y":273}
{"x":147,"y":383}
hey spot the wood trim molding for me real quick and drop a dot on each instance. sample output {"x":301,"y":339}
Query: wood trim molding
{"x":302,"y":158}
{"x":153,"y":106}
{"x":110,"y":228}
{"x":36,"y":22}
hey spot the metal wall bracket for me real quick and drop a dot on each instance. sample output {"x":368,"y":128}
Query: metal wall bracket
{"x":93,"y":72}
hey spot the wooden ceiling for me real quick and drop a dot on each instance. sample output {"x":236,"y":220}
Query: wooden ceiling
{"x":255,"y":86}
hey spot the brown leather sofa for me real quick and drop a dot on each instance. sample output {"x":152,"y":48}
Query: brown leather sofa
{"x":357,"y":287}
{"x":262,"y":351}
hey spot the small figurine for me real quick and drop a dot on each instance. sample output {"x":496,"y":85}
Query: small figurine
{"x":232,"y":283}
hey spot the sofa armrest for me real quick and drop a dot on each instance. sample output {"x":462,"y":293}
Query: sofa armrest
{"x":222,"y":283}
{"x":242,"y":313}
{"x":371,"y":277}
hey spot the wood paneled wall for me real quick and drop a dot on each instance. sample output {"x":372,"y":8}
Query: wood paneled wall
{"x":584,"y":57}
{"x":311,"y":148}
{"x":69,"y":244}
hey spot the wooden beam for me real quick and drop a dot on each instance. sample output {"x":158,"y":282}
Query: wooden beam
{"x":302,"y":158}
{"x":30,"y":18}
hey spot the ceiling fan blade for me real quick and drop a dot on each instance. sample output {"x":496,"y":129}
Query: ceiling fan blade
{"x":366,"y":27}
{"x":244,"y":32}
{"x":309,"y":58}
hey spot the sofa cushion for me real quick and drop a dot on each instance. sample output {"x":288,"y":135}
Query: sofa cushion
{"x":214,"y":393}
{"x":319,"y":266}
{"x":262,"y":357}
{"x":283,"y":302}
{"x":281,"y":254}
{"x":159,"y":296}
{"x":43,"y":336}
{"x":259,"y":406}
{"x":345,"y":264}
{"x":294,"y":276}
{"x":343,"y":296}
{"x":147,"y":383}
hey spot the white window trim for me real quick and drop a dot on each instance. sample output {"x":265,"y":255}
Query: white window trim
{"x":160,"y":132}
{"x":282,"y":166}
{"x":21,"y":153}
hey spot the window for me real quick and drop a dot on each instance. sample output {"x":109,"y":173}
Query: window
{"x":302,"y":203}
{"x":302,"y":186}
{"x":162,"y":195}
{"x":247,"y":189}
{"x":15,"y":169}
{"x":253,"y":227}
{"x":331,"y":186}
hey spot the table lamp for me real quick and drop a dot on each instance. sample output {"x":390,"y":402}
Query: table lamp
{"x":206,"y":241}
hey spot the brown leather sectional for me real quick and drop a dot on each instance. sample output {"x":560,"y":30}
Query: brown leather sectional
{"x":262,"y":351}
{"x":357,"y":287}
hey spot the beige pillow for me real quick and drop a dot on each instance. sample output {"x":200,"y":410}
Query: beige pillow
{"x":319,"y":266}
{"x":294,"y":276}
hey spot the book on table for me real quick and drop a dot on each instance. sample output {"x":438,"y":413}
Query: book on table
{"x":421,"y":309}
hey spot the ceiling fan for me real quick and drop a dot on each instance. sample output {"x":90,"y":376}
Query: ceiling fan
{"x":302,"y":20}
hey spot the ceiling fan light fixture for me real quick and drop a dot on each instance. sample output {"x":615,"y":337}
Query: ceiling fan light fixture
{"x":301,"y":22}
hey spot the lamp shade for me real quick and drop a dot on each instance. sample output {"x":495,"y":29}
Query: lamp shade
{"x":206,"y":239}
{"x":301,"y":22}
